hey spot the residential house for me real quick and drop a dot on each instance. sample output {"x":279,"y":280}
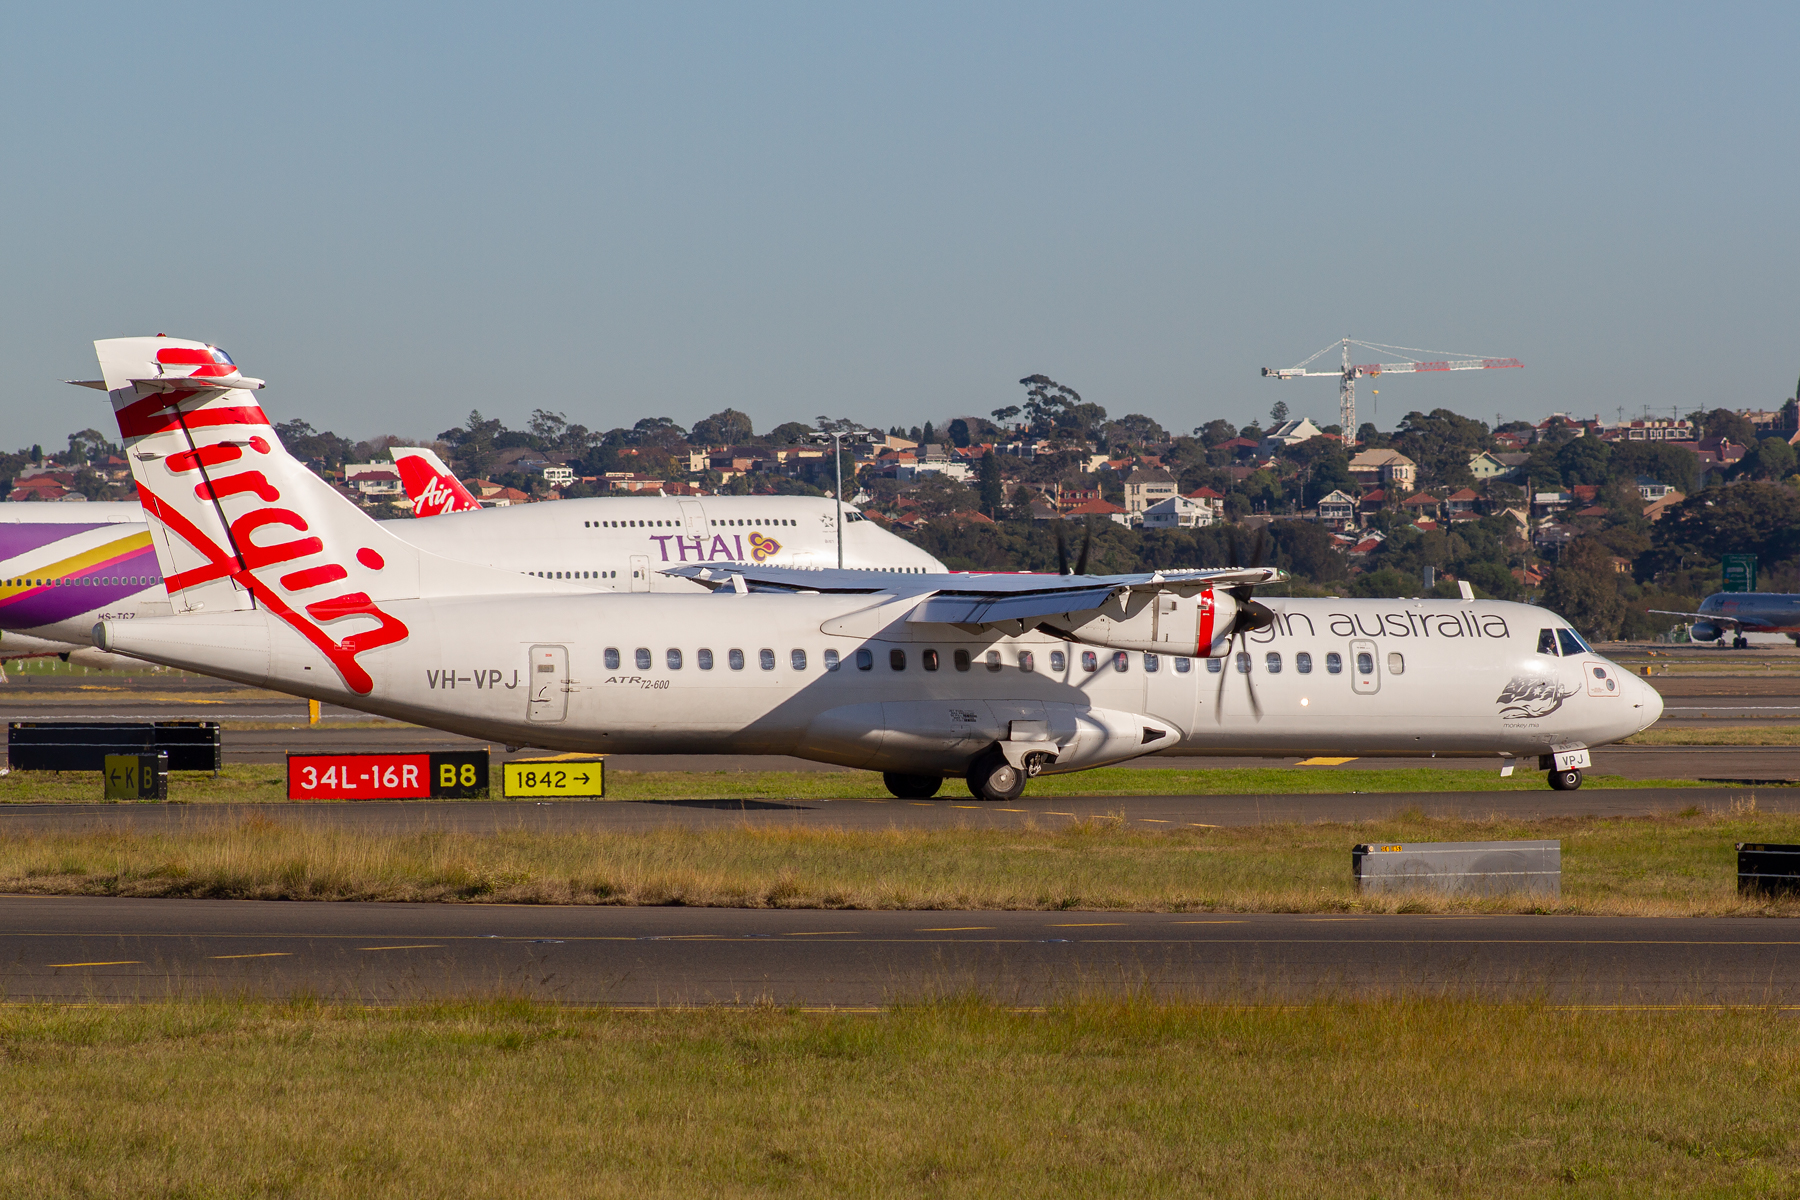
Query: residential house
{"x":1070,"y":495}
{"x":1100,"y":508}
{"x":1649,"y":430}
{"x":1288,"y":433}
{"x":1146,"y":486}
{"x":1422,"y":504}
{"x":1462,"y":505}
{"x":1652,"y":490}
{"x":1489,"y":465}
{"x":1367,"y":545}
{"x":375,"y":482}
{"x":1178,"y":512}
{"x":1212,"y":499}
{"x":1390,"y":468}
{"x":1338,"y":510}
{"x":1370,"y":503}
{"x":1240,"y":447}
{"x":491,"y":495}
{"x":632,"y":481}
{"x":559,"y":475}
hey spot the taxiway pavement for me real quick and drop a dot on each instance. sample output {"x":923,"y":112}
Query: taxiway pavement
{"x":102,"y":949}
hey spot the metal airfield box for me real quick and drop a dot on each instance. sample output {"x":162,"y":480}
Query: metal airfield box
{"x":1768,"y":869}
{"x":1459,"y":868}
{"x":439,"y":775}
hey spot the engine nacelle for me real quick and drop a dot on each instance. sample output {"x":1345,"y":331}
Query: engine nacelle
{"x":1188,"y":626}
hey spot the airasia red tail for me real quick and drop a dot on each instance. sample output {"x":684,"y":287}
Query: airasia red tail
{"x":250,"y":542}
{"x":429,"y":484}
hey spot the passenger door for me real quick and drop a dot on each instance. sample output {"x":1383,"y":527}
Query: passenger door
{"x":694,"y":518}
{"x":549,"y":686}
{"x":640,"y":572}
{"x":1365,"y":668}
{"x":1169,"y":694}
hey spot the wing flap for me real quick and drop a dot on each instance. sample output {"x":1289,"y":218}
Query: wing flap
{"x":979,"y":610}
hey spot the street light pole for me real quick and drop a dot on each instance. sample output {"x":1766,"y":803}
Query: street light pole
{"x":837,"y":456}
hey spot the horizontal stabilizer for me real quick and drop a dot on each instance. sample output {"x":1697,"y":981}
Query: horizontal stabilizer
{"x":195,"y":383}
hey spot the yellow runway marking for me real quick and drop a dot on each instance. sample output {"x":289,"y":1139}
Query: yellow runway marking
{"x":1087,"y":925}
{"x":965,"y":806}
{"x":430,"y":946}
{"x":1323,"y":762}
{"x":1199,"y":825}
{"x":955,"y":929}
{"x":1009,"y":810}
{"x":1153,"y":820}
{"x":270,"y":954}
{"x":117,"y":962}
{"x":922,"y":804}
{"x":1052,"y":813}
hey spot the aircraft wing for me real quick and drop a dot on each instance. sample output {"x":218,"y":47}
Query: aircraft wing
{"x":1711,"y":618}
{"x":1083,"y":591}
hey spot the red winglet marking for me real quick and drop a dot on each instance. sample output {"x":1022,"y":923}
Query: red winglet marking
{"x":313,"y":577}
{"x":232,"y":485}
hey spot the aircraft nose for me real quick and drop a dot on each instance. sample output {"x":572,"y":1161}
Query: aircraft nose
{"x":1649,"y":702}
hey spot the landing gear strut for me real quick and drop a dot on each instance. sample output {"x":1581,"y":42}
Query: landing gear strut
{"x":912,"y":787}
{"x":1565,"y":781}
{"x":991,"y":777}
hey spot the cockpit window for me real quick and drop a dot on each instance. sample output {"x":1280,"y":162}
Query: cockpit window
{"x":1547,"y":641}
{"x":1572,"y":643}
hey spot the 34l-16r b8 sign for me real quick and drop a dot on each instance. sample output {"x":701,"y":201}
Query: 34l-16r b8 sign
{"x":446,"y":775}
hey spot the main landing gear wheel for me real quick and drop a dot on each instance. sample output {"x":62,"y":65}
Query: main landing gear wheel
{"x":1565,"y":781}
{"x":991,"y":777}
{"x":1740,"y":643}
{"x":913,"y":787}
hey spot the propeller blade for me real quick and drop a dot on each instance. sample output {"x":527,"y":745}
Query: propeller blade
{"x":1062,"y":551}
{"x":1087,"y":543}
{"x":1262,"y":545}
{"x":1255,"y":703}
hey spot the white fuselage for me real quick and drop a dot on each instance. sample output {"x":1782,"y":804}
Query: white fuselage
{"x":64,"y":567}
{"x":626,"y":673}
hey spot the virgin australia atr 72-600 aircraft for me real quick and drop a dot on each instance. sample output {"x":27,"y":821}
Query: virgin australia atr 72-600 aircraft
{"x":278,"y":581}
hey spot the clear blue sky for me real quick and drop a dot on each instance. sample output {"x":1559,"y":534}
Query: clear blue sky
{"x":398,"y":212}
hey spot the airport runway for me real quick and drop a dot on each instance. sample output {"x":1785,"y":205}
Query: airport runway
{"x":119,"y":950}
{"x":1151,"y":813}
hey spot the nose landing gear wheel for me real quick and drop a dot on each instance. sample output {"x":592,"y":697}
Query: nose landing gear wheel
{"x":1565,"y":781}
{"x":991,"y":777}
{"x":912,"y":787}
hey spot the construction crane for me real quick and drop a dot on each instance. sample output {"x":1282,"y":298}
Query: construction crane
{"x":1431,"y":360}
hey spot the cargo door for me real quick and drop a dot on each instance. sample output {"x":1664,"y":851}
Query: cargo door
{"x":1365,"y":668}
{"x":640,"y":572}
{"x":549,"y":690}
{"x":1170,"y":693}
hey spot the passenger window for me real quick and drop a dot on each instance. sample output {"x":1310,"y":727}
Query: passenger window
{"x":1334,"y":662}
{"x":1546,"y":641}
{"x":612,"y":658}
{"x":831,"y":660}
{"x":1027,"y":663}
{"x":674,"y":657}
{"x":734,"y":659}
{"x":703,"y":659}
{"x":797,"y":659}
{"x":1272,"y":661}
{"x":1365,"y":663}
{"x":643,"y":659}
{"x":929,"y":659}
{"x":1121,"y":660}
{"x":1152,"y":662}
{"x":993,"y":660}
{"x":766,"y":659}
{"x":865,"y":660}
{"x":961,"y":659}
{"x":897,"y":660}
{"x":1183,"y":665}
{"x":1243,"y":662}
{"x":1571,"y":644}
{"x":1090,"y":661}
{"x":1303,"y":663}
{"x":1059,"y":662}
{"x":1214,"y":666}
{"x":1396,"y":664}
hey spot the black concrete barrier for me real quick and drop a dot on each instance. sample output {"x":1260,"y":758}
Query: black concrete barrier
{"x":1459,"y":868}
{"x":84,"y":745}
{"x":1768,"y":869}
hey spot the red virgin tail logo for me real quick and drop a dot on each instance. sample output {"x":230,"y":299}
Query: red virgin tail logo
{"x":223,"y":471}
{"x":433,"y":493}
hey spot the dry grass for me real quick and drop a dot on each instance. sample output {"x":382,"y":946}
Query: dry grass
{"x":1132,"y":1098}
{"x":1665,"y":865}
{"x":1727,"y":735}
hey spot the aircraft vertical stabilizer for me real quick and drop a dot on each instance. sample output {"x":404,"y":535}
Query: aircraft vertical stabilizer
{"x":429,"y":484}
